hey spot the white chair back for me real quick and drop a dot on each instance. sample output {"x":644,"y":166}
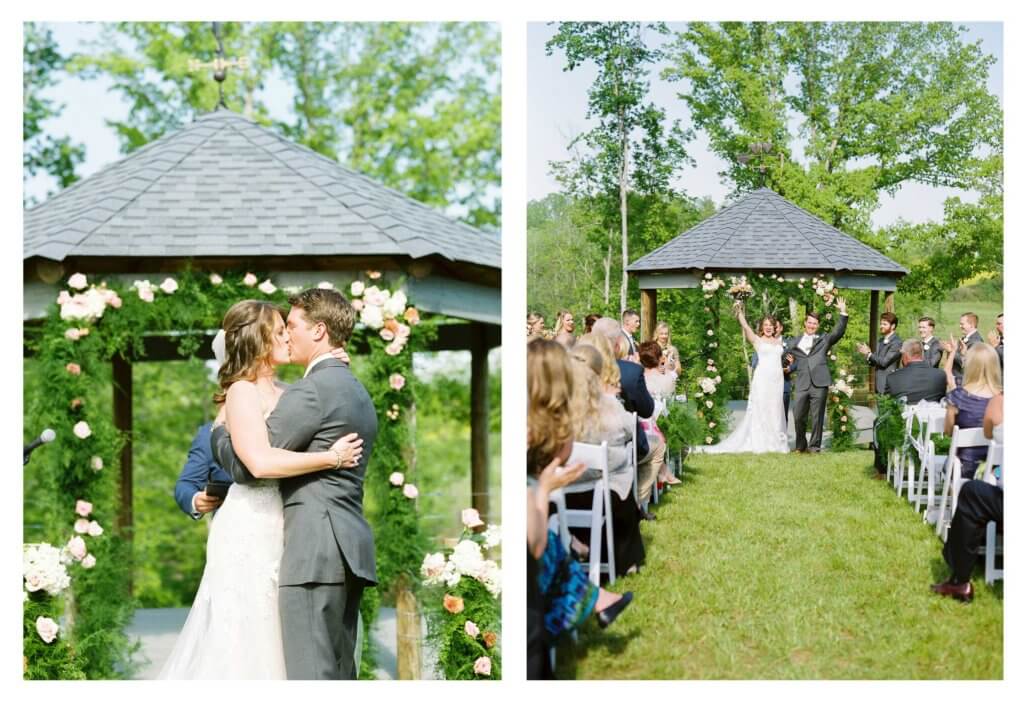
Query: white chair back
{"x":598,"y":517}
{"x":953,"y":477}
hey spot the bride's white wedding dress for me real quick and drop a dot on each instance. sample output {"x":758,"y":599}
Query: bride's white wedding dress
{"x":233,"y":630}
{"x":763,"y":427}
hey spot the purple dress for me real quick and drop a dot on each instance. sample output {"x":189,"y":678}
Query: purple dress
{"x":970,"y":414}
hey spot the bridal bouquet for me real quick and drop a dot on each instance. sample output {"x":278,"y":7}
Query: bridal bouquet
{"x":463,"y":608}
{"x":740,"y":289}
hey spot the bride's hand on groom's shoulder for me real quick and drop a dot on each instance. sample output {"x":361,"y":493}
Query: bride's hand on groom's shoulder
{"x":340,"y":354}
{"x":350,"y":448}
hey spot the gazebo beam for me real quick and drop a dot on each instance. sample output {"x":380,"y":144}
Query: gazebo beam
{"x":478,"y":420}
{"x":648,"y":313}
{"x":873,"y":335}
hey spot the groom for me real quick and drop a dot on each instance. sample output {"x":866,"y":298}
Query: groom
{"x":813,"y":378}
{"x":328,"y":553}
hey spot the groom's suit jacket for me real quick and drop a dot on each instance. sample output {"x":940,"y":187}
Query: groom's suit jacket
{"x":324,"y":525}
{"x":813,"y":366}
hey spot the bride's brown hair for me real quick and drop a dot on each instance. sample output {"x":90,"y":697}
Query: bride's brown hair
{"x":248,"y":343}
{"x":760,"y":324}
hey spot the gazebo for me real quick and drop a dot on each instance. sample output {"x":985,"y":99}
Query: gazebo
{"x":225,"y":193}
{"x":763,"y":231}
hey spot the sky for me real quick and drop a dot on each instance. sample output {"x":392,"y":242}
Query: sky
{"x":557,"y":102}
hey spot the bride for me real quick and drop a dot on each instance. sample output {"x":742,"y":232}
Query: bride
{"x":233,"y":630}
{"x":763,"y":428}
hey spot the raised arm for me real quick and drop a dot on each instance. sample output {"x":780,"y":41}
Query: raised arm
{"x":950,"y":359}
{"x":251,"y":442}
{"x":741,"y":316}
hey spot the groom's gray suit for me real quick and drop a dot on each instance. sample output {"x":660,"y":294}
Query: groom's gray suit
{"x":810,"y":390}
{"x":328,"y":546}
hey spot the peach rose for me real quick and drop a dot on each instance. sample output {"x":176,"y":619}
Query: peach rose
{"x":393,"y":348}
{"x":83,"y":508}
{"x":412,"y":315}
{"x":47,"y":629}
{"x":490,"y":638}
{"x":373,"y":274}
{"x":482,"y":666}
{"x":453,"y":604}
{"x":76,"y":403}
{"x":73,"y":368}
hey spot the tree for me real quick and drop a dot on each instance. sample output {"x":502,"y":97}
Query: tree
{"x":877,"y":105}
{"x":629,"y":131}
{"x":44,"y":153}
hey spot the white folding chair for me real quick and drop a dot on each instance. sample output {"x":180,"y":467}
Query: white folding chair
{"x":598,"y":518}
{"x":993,"y":539}
{"x":931,"y":417}
{"x":953,"y":478}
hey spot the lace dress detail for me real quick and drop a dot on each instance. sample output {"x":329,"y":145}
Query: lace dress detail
{"x":763,"y":427}
{"x":233,"y":630}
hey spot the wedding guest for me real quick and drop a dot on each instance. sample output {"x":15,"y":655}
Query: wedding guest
{"x":978,"y":503}
{"x":932,"y":346}
{"x":966,"y":404}
{"x":885,"y":358}
{"x":200,"y":468}
{"x":662,"y":386}
{"x":599,"y":417}
{"x":668,"y":351}
{"x":970,"y":338}
{"x":630,"y":325}
{"x":588,"y":322}
{"x":564,"y":326}
{"x":534,"y":326}
{"x":995,"y":338}
{"x":915,"y":381}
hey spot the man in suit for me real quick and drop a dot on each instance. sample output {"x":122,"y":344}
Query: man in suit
{"x":995,"y":339}
{"x":915,"y":381}
{"x":931,"y":346}
{"x":885,"y":358}
{"x":630,"y":325}
{"x":969,"y":339}
{"x":810,"y":393}
{"x":328,"y":553}
{"x":200,"y":468}
{"x":650,"y":449}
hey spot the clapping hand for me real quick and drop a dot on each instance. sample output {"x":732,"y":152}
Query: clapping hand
{"x":554,"y":476}
{"x":947,"y":345}
{"x":841,"y":304}
{"x":863,"y":349}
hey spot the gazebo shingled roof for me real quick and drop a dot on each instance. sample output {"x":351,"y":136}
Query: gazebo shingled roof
{"x":226,"y":186}
{"x":763,"y":230}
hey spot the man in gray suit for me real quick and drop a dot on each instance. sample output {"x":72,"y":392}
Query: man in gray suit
{"x":970,"y":338}
{"x":885,"y":359}
{"x":328,"y":553}
{"x":931,"y":346}
{"x":810,"y":391}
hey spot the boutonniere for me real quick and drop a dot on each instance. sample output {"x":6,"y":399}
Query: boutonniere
{"x":926,"y":346}
{"x":886,"y":341}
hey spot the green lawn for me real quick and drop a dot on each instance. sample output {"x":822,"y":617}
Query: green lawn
{"x":790,"y":567}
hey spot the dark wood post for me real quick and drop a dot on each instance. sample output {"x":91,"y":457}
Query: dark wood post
{"x":873,"y":336}
{"x":123,"y":422}
{"x":648,"y":313}
{"x":478,"y":419}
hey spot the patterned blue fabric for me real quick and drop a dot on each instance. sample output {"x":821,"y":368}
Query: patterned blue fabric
{"x":569,"y":595}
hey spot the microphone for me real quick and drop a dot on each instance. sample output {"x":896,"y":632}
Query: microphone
{"x":45,"y":437}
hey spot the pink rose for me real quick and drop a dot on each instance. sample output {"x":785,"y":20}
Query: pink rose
{"x":63,"y":298}
{"x":115,"y":302}
{"x":82,"y":430}
{"x":393,"y":348}
{"x":83,"y":508}
{"x":95,"y":529}
{"x":387,"y":334}
{"x":169,"y":286}
{"x":96,"y":463}
{"x":267,"y":287}
{"x":471,"y":518}
{"x":403,"y":332}
{"x":47,"y":629}
{"x":88,"y":562}
{"x":77,"y":281}
{"x":146,"y":294}
{"x":396,"y":381}
{"x":482,"y":666}
{"x":410,"y":491}
{"x":250,"y":280}
{"x":357,"y":304}
{"x":76,"y":547}
{"x":72,"y":334}
{"x":471,"y":629}
{"x":82,"y":526}
{"x":396,"y":479}
{"x":73,"y":368}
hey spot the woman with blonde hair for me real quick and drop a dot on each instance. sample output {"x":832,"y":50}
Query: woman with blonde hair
{"x":965,"y":405}
{"x":669,"y":352}
{"x":564,"y":327}
{"x":233,"y":630}
{"x":609,"y":371}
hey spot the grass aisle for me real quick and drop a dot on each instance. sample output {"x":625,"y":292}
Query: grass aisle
{"x":790,"y":567}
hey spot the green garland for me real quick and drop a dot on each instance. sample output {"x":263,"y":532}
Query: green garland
{"x":88,"y":326}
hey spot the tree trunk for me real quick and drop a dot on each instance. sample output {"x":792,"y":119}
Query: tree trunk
{"x":623,"y":137}
{"x":608,"y":272}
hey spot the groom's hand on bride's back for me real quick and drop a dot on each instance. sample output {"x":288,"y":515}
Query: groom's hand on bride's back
{"x":205,"y":504}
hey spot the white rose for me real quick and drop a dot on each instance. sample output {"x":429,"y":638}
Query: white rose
{"x":95,"y":529}
{"x":324,"y":285}
{"x":88,"y":562}
{"x":250,"y":280}
{"x":471,"y":518}
{"x":146,"y":294}
{"x":77,"y":281}
{"x":357,"y":288}
{"x":47,"y":629}
{"x":492,"y":537}
{"x":82,"y":430}
{"x":433,"y":567}
{"x":709,"y":404}
{"x":267,"y":287}
{"x":373,"y":296}
{"x":395,"y":305}
{"x":169,"y":286}
{"x":216,"y":279}
{"x":76,"y":547}
{"x":468,"y":558}
{"x":396,"y":479}
{"x":410,"y":491}
{"x":371,"y":316}
{"x":96,"y":463}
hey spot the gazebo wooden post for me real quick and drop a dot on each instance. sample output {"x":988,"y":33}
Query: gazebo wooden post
{"x":873,"y":336}
{"x":478,"y":419}
{"x":122,"y":381}
{"x":648,"y":313}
